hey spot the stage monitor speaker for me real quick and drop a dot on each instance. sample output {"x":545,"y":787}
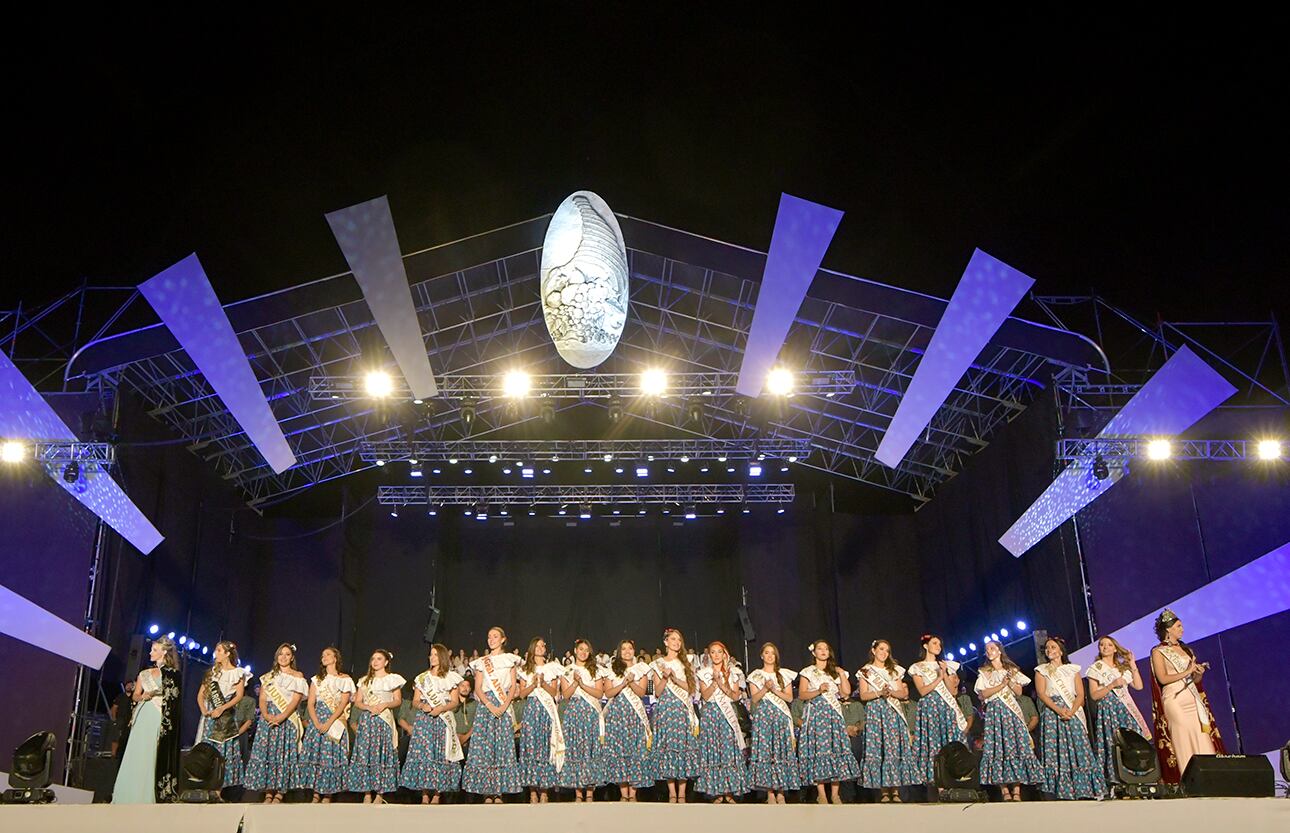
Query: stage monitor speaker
{"x":137,"y":656}
{"x":1229,"y":776}
{"x":432,"y":625}
{"x":745,"y":624}
{"x":98,"y":774}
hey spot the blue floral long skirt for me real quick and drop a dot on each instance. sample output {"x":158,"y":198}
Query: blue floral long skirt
{"x":1007,"y":755}
{"x":274,"y":755}
{"x":934,"y":727}
{"x":374,"y":763}
{"x":625,"y":751}
{"x":1111,"y":715}
{"x":582,"y":746}
{"x":323,"y":761}
{"x":426,"y":767}
{"x":675,"y":755}
{"x":772,"y":763}
{"x":231,"y":749}
{"x":823,"y":748}
{"x":723,"y":769}
{"x":491,"y":768}
{"x":888,"y":748}
{"x":1070,"y":770}
{"x":536,"y":769}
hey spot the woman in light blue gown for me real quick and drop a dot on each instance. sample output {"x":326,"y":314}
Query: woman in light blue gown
{"x":149,"y":770}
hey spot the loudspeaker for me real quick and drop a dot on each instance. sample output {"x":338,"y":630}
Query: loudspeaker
{"x":1229,"y":776}
{"x":432,"y":625}
{"x":98,"y":773}
{"x":745,"y":623}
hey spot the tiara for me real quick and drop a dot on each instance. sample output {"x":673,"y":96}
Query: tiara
{"x":1167,"y":617}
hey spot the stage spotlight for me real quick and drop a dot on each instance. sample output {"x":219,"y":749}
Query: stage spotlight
{"x":608,"y":457}
{"x":436,"y":471}
{"x":13,"y":452}
{"x":452,"y":461}
{"x":779,"y":511}
{"x":205,"y":650}
{"x":152,"y":629}
{"x":1137,"y":768}
{"x":548,"y":413}
{"x":527,"y":474}
{"x":516,"y":384}
{"x":394,"y":513}
{"x":640,"y":511}
{"x":653,"y":382}
{"x":546,"y":471}
{"x":492,"y":458}
{"x":201,"y":775}
{"x":378,"y":384}
{"x":506,"y":470}
{"x":532,"y":512}
{"x":671,"y":470}
{"x":792,"y":458}
{"x":615,"y":409}
{"x":1159,"y":450}
{"x":740,"y":405}
{"x":183,"y":640}
{"x":504,"y":513}
{"x":585,"y":511}
{"x":720,"y":511}
{"x":994,"y":637}
{"x":690,"y":514}
{"x":72,"y":472}
{"x":1003,"y":632}
{"x":972,"y":646}
{"x":432,"y":512}
{"x":746,"y":509}
{"x":956,"y":775}
{"x":468,"y":413}
{"x":618,"y":470}
{"x":29,"y":777}
{"x":685,"y":458}
{"x":170,"y":635}
{"x":412,"y":461}
{"x":617,"y":512}
{"x":587,"y":470}
{"x":1021,"y":626}
{"x":1269,"y":450}
{"x":1100,"y":470}
{"x":754,"y":470}
{"x":641,"y":471}
{"x":780,"y":381}
{"x":704,"y":469}
{"x":721,"y":459}
{"x":949,"y":655}
{"x":467,"y":471}
{"x":962,"y":652}
{"x":415,"y":473}
{"x":783,"y":468}
{"x":380,"y":463}
{"x":481,"y":511}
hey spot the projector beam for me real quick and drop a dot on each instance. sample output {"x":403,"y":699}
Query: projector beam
{"x":803,"y":231}
{"x":25,"y":415}
{"x":1171,"y":401}
{"x":365,"y":233}
{"x":988,"y":291}
{"x":31,"y":623}
{"x":184,"y":298}
{"x":1258,"y":589}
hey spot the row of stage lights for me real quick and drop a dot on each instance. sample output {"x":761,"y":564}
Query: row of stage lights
{"x":998,"y":636}
{"x":517,"y":384}
{"x":642,"y":470}
{"x":584,"y":512}
{"x":188,"y":646}
{"x":1164,"y":449}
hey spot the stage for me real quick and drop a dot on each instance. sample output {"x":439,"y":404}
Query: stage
{"x":1250,"y":815}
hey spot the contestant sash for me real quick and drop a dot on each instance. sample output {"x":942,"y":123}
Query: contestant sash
{"x":385,"y":714}
{"x":451,"y":743}
{"x":775,"y":700}
{"x":149,"y":684}
{"x":819,"y":681}
{"x":1180,"y":661}
{"x":282,"y":701}
{"x":1105,"y":676}
{"x":491,"y":685}
{"x":577,"y":672}
{"x":224,"y":727}
{"x":942,"y":691}
{"x":728,"y":712}
{"x":556,"y":741}
{"x":1063,"y":690}
{"x":332,"y":698}
{"x":1005,"y":696}
{"x":680,"y":693}
{"x":872,"y":675}
{"x":634,"y":699}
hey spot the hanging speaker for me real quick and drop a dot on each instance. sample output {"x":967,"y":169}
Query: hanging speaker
{"x":745,"y":624}
{"x":432,"y":625}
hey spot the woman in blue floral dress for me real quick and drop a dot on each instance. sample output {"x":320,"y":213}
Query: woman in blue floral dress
{"x":324,"y":759}
{"x":541,"y":736}
{"x":1070,"y":770}
{"x":374,"y":764}
{"x":674,"y":757}
{"x":433,"y":765}
{"x":276,"y":751}
{"x":1007,"y":751}
{"x":583,"y":723}
{"x":1109,"y":679}
{"x":723,"y":752}
{"x":888,"y":747}
{"x":940,"y":719}
{"x":823,"y":748}
{"x":772,"y":764}
{"x":491,"y":768}
{"x":627,"y":731}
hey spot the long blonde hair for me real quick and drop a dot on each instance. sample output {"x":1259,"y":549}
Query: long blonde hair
{"x":170,"y":657}
{"x":1119,"y":657}
{"x":231,"y":648}
{"x":682,"y":655}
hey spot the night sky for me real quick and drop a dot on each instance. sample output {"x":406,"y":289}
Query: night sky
{"x":1116,"y":155}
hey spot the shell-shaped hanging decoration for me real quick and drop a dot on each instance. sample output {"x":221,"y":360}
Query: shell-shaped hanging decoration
{"x":584,"y":280}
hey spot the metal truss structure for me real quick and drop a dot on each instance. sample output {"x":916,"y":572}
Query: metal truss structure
{"x":91,"y":456}
{"x":691,"y":305}
{"x":596,"y":495}
{"x":557,"y":450}
{"x":828,"y":383}
{"x":1070,"y":450}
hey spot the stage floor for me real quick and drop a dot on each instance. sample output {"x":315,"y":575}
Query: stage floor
{"x":1249,"y":815}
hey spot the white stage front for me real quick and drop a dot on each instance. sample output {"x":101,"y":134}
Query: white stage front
{"x":1248,"y":815}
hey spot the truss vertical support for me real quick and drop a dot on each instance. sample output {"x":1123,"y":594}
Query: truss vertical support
{"x":76,"y":727}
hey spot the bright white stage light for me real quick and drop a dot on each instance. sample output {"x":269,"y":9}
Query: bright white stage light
{"x":780,"y":381}
{"x":962,"y":652}
{"x":641,"y":471}
{"x":492,"y":458}
{"x":13,"y":452}
{"x":152,"y":629}
{"x":415,"y":473}
{"x":546,"y":471}
{"x":685,"y":458}
{"x":1003,"y":631}
{"x":1021,"y":626}
{"x":183,"y":640}
{"x":608,"y":457}
{"x":205,"y":650}
{"x":949,"y":655}
{"x":412,"y":461}
{"x":1159,"y":450}
{"x":653,"y":382}
{"x":506,"y":471}
{"x":452,"y":461}
{"x":170,"y":635}
{"x":792,"y":458}
{"x":779,"y":511}
{"x":1269,"y":450}
{"x":587,"y":470}
{"x":754,"y":470}
{"x":516,"y":384}
{"x":994,"y":637}
{"x":972,"y":645}
{"x":378,"y":384}
{"x":467,"y":471}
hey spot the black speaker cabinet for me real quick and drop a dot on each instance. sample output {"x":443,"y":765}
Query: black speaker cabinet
{"x":745,"y":624}
{"x":1244,"y":776}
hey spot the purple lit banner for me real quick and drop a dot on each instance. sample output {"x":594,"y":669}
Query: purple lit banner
{"x":1172,"y":400}
{"x":803,"y":231}
{"x":31,"y":623}
{"x":184,"y":298}
{"x":366,"y":235}
{"x":25,"y":415}
{"x":1258,"y":589}
{"x":988,"y":291}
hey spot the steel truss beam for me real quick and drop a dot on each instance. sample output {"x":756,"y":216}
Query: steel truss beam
{"x":1070,"y":450}
{"x":580,"y":385}
{"x":556,"y":450}
{"x":96,"y":456}
{"x":591,"y":494}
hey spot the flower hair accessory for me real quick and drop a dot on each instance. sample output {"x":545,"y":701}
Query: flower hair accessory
{"x":811,"y":647}
{"x":292,"y":646}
